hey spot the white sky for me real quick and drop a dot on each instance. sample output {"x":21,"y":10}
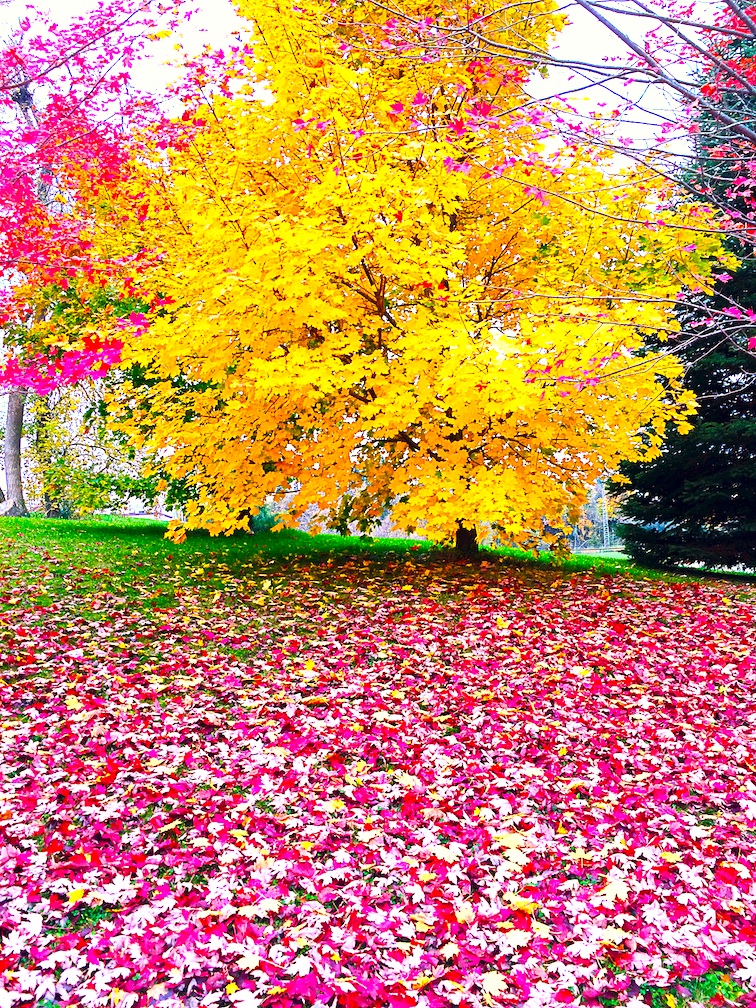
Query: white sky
{"x":215,"y":20}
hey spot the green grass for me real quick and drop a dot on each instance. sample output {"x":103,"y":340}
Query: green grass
{"x":581,"y":563}
{"x":131,"y":559}
{"x":714,"y":984}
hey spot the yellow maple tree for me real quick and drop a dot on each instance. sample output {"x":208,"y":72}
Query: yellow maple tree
{"x":387,"y":287}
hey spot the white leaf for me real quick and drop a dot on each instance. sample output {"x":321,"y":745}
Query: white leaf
{"x":747,"y":971}
{"x":516,"y":938}
{"x":300,"y":967}
{"x":247,"y":998}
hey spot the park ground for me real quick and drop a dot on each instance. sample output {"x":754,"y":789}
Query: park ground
{"x":285,"y":771}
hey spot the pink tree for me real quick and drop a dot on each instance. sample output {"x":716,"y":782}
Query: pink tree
{"x":70,"y":114}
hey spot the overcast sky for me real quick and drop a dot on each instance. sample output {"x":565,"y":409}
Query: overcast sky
{"x":216,"y":19}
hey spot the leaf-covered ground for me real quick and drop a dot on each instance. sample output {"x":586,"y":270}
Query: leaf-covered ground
{"x":370,"y":781}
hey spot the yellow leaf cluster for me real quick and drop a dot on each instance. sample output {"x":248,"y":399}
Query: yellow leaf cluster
{"x":390,"y":288}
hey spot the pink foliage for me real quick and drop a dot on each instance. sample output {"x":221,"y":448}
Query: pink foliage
{"x":66,"y":92}
{"x":44,"y":374}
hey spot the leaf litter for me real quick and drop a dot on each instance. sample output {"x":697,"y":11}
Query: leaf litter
{"x":374,"y":782}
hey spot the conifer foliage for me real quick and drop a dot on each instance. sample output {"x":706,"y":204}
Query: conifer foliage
{"x":697,"y":501}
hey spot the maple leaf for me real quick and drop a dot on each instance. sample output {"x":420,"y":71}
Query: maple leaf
{"x":465,"y":913}
{"x":493,"y":984}
{"x":261,"y":909}
{"x":516,"y":938}
{"x":246,"y":998}
{"x":615,"y":891}
{"x":747,"y":971}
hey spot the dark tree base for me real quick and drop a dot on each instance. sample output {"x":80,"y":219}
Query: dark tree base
{"x":466,"y":541}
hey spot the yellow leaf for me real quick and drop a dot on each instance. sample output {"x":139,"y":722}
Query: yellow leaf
{"x":510,"y":840}
{"x":334,"y":805}
{"x":518,"y":902}
{"x":170,"y":825}
{"x":261,"y":909}
{"x":493,"y":983}
{"x":614,"y":891}
{"x":614,"y":935}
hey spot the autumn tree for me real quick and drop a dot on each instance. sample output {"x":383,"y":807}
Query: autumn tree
{"x":68,"y":114}
{"x":382,"y":287}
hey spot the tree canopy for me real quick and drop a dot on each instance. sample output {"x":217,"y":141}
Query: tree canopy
{"x":381,"y":286}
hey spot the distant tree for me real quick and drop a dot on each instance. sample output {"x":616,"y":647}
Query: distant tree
{"x":68,"y":112}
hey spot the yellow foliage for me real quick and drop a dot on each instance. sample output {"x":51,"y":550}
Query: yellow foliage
{"x":389,"y":287}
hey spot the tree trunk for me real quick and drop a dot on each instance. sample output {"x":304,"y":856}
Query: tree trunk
{"x":14,"y":426}
{"x":43,"y":455}
{"x":466,"y":541}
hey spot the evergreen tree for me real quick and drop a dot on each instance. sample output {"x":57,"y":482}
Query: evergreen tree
{"x":697,"y":501}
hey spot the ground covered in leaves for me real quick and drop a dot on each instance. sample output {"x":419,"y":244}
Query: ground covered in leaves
{"x":388,"y":780}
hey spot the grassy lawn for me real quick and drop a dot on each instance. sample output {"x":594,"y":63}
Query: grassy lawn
{"x":56,"y":558}
{"x":289,"y":771}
